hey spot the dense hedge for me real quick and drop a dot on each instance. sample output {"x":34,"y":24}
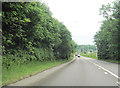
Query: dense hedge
{"x":31,"y":33}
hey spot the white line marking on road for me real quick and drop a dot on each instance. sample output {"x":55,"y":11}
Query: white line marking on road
{"x":99,"y":68}
{"x":105,"y":70}
{"x":106,"y":73}
{"x":118,"y":84}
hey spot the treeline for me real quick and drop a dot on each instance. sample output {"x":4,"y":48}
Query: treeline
{"x":107,"y":38}
{"x":86,"y":48}
{"x":29,"y":32}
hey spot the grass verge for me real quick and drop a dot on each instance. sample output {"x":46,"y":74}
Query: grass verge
{"x":18,"y":72}
{"x":90,"y":55}
{"x":93,"y":55}
{"x":110,"y":60}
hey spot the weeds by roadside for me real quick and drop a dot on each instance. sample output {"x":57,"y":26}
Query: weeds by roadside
{"x":94,"y":56}
{"x":18,"y":72}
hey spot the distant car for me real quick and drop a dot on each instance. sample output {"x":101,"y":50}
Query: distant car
{"x":78,"y":55}
{"x":75,"y":54}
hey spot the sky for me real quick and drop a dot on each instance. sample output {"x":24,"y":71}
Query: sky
{"x":81,"y":17}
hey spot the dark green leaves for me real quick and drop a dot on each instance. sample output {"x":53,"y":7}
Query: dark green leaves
{"x":107,"y":38}
{"x":30,"y":27}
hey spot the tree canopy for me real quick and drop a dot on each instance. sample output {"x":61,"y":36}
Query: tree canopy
{"x":29,"y":29}
{"x":86,"y":48}
{"x":107,"y":38}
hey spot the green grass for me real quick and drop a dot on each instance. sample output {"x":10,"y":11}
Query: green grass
{"x":18,"y":72}
{"x":90,"y":55}
{"x":93,"y":55}
{"x":110,"y":60}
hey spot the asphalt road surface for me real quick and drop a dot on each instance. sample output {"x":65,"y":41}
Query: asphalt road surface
{"x":81,"y":72}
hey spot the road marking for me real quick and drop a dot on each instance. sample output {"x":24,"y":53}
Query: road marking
{"x":118,"y":84}
{"x":106,"y":73}
{"x":105,"y":70}
{"x":99,"y":68}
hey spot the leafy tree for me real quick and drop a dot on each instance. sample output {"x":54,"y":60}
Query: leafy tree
{"x":86,"y":48}
{"x":31,"y":33}
{"x":107,"y":39}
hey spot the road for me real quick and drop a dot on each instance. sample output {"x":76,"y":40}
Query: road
{"x":81,"y":72}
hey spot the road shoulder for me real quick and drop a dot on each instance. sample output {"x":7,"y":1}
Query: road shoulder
{"x":41,"y":75}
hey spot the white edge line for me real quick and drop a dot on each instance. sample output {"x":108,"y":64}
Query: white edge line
{"x":106,"y":70}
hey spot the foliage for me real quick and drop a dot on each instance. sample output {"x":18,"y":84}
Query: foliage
{"x":30,"y":33}
{"x":90,"y":55}
{"x":22,"y":71}
{"x":107,"y":38}
{"x":86,"y":48}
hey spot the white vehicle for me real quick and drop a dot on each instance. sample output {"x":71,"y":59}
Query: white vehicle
{"x":78,"y":55}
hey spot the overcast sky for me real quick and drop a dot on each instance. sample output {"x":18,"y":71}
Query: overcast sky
{"x":81,"y":17}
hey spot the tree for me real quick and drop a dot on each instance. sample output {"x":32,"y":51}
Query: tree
{"x":107,"y":38}
{"x":31,"y":33}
